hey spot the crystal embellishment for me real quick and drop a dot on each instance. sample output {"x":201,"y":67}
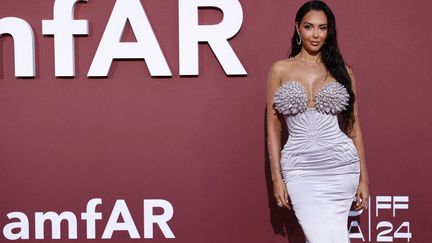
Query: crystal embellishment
{"x":332,"y":99}
{"x":290,"y":98}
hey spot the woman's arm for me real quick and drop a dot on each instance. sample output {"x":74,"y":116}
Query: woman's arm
{"x":356,"y":136}
{"x":280,"y":191}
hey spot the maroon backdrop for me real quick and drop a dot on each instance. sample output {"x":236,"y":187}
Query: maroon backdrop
{"x":199,"y":142}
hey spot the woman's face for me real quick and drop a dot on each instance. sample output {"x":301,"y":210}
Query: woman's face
{"x":313,"y":30}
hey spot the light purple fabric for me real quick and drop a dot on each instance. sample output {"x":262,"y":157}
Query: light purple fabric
{"x":320,"y":166}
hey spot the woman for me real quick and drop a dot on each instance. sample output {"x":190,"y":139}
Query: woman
{"x":321,"y":169}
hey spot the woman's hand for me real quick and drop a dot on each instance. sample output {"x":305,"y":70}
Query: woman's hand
{"x":280,"y":193}
{"x":362,"y":196}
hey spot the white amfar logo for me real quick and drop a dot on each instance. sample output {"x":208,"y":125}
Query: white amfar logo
{"x":385,"y":225}
{"x":19,"y":229}
{"x":63,"y":27}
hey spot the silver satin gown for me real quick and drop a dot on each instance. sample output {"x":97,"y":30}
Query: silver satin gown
{"x":320,"y":164}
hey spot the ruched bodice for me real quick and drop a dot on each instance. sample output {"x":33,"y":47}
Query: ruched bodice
{"x":311,"y":123}
{"x":316,"y":142}
{"x":319,"y":163}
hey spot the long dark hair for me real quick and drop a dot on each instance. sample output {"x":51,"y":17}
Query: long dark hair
{"x":331,"y":57}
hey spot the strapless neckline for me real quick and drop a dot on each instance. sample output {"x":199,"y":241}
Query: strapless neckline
{"x":291,"y":97}
{"x":304,"y":88}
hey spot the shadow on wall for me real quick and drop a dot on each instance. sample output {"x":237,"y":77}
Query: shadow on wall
{"x":283,"y":221}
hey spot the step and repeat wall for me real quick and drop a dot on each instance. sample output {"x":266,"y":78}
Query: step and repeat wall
{"x":126,"y":120}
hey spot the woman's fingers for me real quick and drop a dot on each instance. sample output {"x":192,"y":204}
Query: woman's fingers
{"x":279,"y":199}
{"x":286,"y":201}
{"x":358,"y":199}
{"x":361,"y":201}
{"x":282,"y":199}
{"x":281,"y":194}
{"x":361,"y":206}
{"x":365,"y":200}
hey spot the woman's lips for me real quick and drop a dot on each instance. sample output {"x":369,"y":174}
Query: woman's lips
{"x":315,"y":43}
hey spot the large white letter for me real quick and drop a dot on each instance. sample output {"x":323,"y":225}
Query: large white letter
{"x":355,"y":226}
{"x":55,"y":219}
{"x":120,"y":208}
{"x":22,"y":34}
{"x":90,"y":216}
{"x":146,"y":47}
{"x":216,"y":35}
{"x":160,"y":220}
{"x":23,"y":224}
{"x":64,"y":27}
{"x":382,"y":202}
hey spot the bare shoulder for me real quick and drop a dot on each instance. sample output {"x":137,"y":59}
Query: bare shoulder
{"x":350,"y":70}
{"x":281,"y":67}
{"x":352,"y":77}
{"x":351,"y":74}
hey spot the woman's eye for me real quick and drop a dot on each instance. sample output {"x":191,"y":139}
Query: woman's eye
{"x":307,"y":27}
{"x":323,"y":28}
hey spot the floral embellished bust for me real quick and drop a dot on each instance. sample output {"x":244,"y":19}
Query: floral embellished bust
{"x":291,"y":98}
